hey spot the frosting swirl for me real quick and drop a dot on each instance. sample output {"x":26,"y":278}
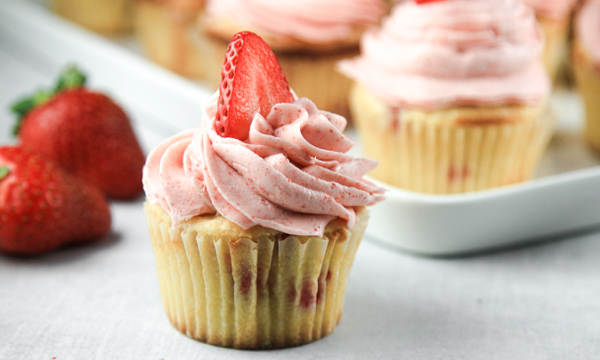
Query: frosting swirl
{"x":308,"y":20}
{"x":588,"y":28}
{"x":455,"y":52}
{"x":291,"y":175}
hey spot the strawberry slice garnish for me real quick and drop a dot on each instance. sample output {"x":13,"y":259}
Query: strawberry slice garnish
{"x":43,"y":208}
{"x":252,"y":81}
{"x":427,"y":1}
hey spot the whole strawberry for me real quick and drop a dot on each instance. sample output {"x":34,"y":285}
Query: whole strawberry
{"x":43,"y":208}
{"x":85,"y":133}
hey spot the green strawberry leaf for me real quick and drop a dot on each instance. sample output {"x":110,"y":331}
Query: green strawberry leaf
{"x":22,"y":106}
{"x":4,"y":170}
{"x":25,"y":105}
{"x":71,"y":77}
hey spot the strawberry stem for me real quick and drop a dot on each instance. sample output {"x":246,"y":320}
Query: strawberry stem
{"x":4,"y":170}
{"x":24,"y":105}
{"x":71,"y":77}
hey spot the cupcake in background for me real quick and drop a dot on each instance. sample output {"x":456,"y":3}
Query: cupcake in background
{"x":255,"y":217}
{"x":586,"y":64}
{"x":165,"y":31}
{"x":449,"y":95}
{"x":308,"y":36}
{"x":554,"y":16}
{"x":106,"y":17}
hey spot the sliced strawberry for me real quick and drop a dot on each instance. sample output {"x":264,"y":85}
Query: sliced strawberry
{"x":252,"y":81}
{"x":43,"y":208}
{"x":427,"y":1}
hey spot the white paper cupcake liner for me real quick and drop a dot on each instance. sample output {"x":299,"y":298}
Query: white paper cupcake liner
{"x":266,"y":290}
{"x":167,"y":37}
{"x":432,"y":155}
{"x":587,"y":74}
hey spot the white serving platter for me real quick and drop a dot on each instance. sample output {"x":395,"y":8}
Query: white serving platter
{"x":564,"y":197}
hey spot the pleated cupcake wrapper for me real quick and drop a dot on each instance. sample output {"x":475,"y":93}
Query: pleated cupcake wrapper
{"x":252,"y":293}
{"x":103,"y":16}
{"x":312,"y":76}
{"x":315,"y":77}
{"x":555,"y":48}
{"x":444,"y":158}
{"x":167,"y":36}
{"x":587,"y":75}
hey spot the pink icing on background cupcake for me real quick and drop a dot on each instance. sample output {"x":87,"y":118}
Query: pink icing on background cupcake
{"x":308,"y":20}
{"x":293,"y":173}
{"x":454,"y":52}
{"x":587,"y":28}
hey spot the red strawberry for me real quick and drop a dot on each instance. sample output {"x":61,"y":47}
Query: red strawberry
{"x":43,"y":208}
{"x":87,"y":134}
{"x":426,"y":1}
{"x":252,"y":81}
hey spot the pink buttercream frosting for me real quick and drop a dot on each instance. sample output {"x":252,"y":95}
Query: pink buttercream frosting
{"x":588,"y":28}
{"x":292,"y":174}
{"x":309,"y":20}
{"x":554,"y":9}
{"x":454,"y":52}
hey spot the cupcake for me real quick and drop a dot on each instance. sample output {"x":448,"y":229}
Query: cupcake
{"x":255,"y":217}
{"x":102,"y":16}
{"x":586,"y":63}
{"x":554,"y":17}
{"x":165,"y":31}
{"x":449,"y":95}
{"x":309,"y":37}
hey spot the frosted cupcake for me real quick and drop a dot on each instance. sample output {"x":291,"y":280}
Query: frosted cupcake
{"x":554,"y":16}
{"x":308,"y":36}
{"x":586,"y":63}
{"x":165,"y":31}
{"x":102,"y":16}
{"x":449,"y":95}
{"x":255,"y":217}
